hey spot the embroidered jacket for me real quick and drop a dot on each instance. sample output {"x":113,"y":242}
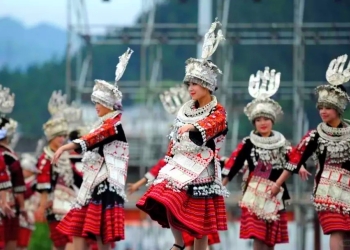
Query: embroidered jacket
{"x":49,"y":175}
{"x":106,"y":155}
{"x":330,"y":150}
{"x":57,"y":180}
{"x":192,"y":159}
{"x":265,"y":164}
{"x":11,"y":175}
{"x":11,"y":171}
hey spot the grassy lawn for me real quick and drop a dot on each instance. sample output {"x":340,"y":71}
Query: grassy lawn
{"x":40,"y":238}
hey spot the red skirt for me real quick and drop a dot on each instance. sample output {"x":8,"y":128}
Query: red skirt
{"x":24,"y":237}
{"x":333,"y":222}
{"x":212,"y":239}
{"x":10,"y":229}
{"x":271,"y":233}
{"x":58,"y":239}
{"x":103,"y":216}
{"x":2,"y":239}
{"x":195,"y":216}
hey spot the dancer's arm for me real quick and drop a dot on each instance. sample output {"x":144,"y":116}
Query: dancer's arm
{"x":209,"y":127}
{"x":297,"y":159}
{"x":149,"y":176}
{"x":110,"y":130}
{"x":236,"y":161}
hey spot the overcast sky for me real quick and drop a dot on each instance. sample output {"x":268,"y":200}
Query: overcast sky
{"x":33,"y":12}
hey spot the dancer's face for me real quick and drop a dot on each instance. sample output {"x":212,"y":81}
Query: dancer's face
{"x":58,"y":141}
{"x":263,"y":125}
{"x":101,"y":110}
{"x":328,"y":114}
{"x":197,"y":91}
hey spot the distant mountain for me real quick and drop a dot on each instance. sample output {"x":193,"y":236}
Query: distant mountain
{"x":21,"y":46}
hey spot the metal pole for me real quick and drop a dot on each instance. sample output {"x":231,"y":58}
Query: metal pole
{"x":205,"y":18}
{"x":68,"y":51}
{"x":298,"y":114}
{"x":227,"y":58}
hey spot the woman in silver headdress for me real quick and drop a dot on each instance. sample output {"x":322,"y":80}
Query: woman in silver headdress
{"x":187,"y":195}
{"x":172,"y":101}
{"x":12,"y":186}
{"x":263,"y":218}
{"x":54,"y":180}
{"x":329,"y":145}
{"x":99,"y":209}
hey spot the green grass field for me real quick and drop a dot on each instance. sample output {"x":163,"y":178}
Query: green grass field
{"x":40,"y":238}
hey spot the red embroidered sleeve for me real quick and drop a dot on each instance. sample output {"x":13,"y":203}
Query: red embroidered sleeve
{"x":44,"y":175}
{"x":5,"y":177}
{"x":213,"y":124}
{"x":152,"y":174}
{"x":168,"y":152}
{"x":96,"y":137}
{"x":232,"y":159}
{"x":17,"y":178}
{"x":299,"y":154}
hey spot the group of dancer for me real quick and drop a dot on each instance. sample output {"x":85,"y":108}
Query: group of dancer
{"x":187,"y":188}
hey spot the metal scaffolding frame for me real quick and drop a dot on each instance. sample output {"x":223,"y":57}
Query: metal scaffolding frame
{"x":150,"y":36}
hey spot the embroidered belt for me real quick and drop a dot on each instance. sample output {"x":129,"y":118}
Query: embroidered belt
{"x":63,"y":198}
{"x":92,"y":165}
{"x":257,"y":199}
{"x":333,"y":190}
{"x":184,"y":168}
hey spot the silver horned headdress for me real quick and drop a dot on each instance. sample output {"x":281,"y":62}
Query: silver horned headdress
{"x":57,"y":124}
{"x":7,"y":102}
{"x":74,"y":117}
{"x":261,"y":88}
{"x":331,"y":95}
{"x":57,"y":103}
{"x":107,"y":94}
{"x":203,"y":71}
{"x":174,"y":98}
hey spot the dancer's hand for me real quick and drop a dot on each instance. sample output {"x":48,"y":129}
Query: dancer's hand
{"x":132,"y":188}
{"x":7,"y":210}
{"x":185,"y":128}
{"x":225,"y":181}
{"x":275,"y":189}
{"x":57,"y":155}
{"x":304,"y":174}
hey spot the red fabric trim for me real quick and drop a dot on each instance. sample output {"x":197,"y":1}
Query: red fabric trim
{"x":214,"y":123}
{"x":270,"y":233}
{"x":233,"y":156}
{"x":92,"y":220}
{"x":333,"y":222}
{"x":157,"y":167}
{"x":196,"y":216}
{"x":297,"y":152}
{"x":44,"y":166}
{"x":107,"y":130}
